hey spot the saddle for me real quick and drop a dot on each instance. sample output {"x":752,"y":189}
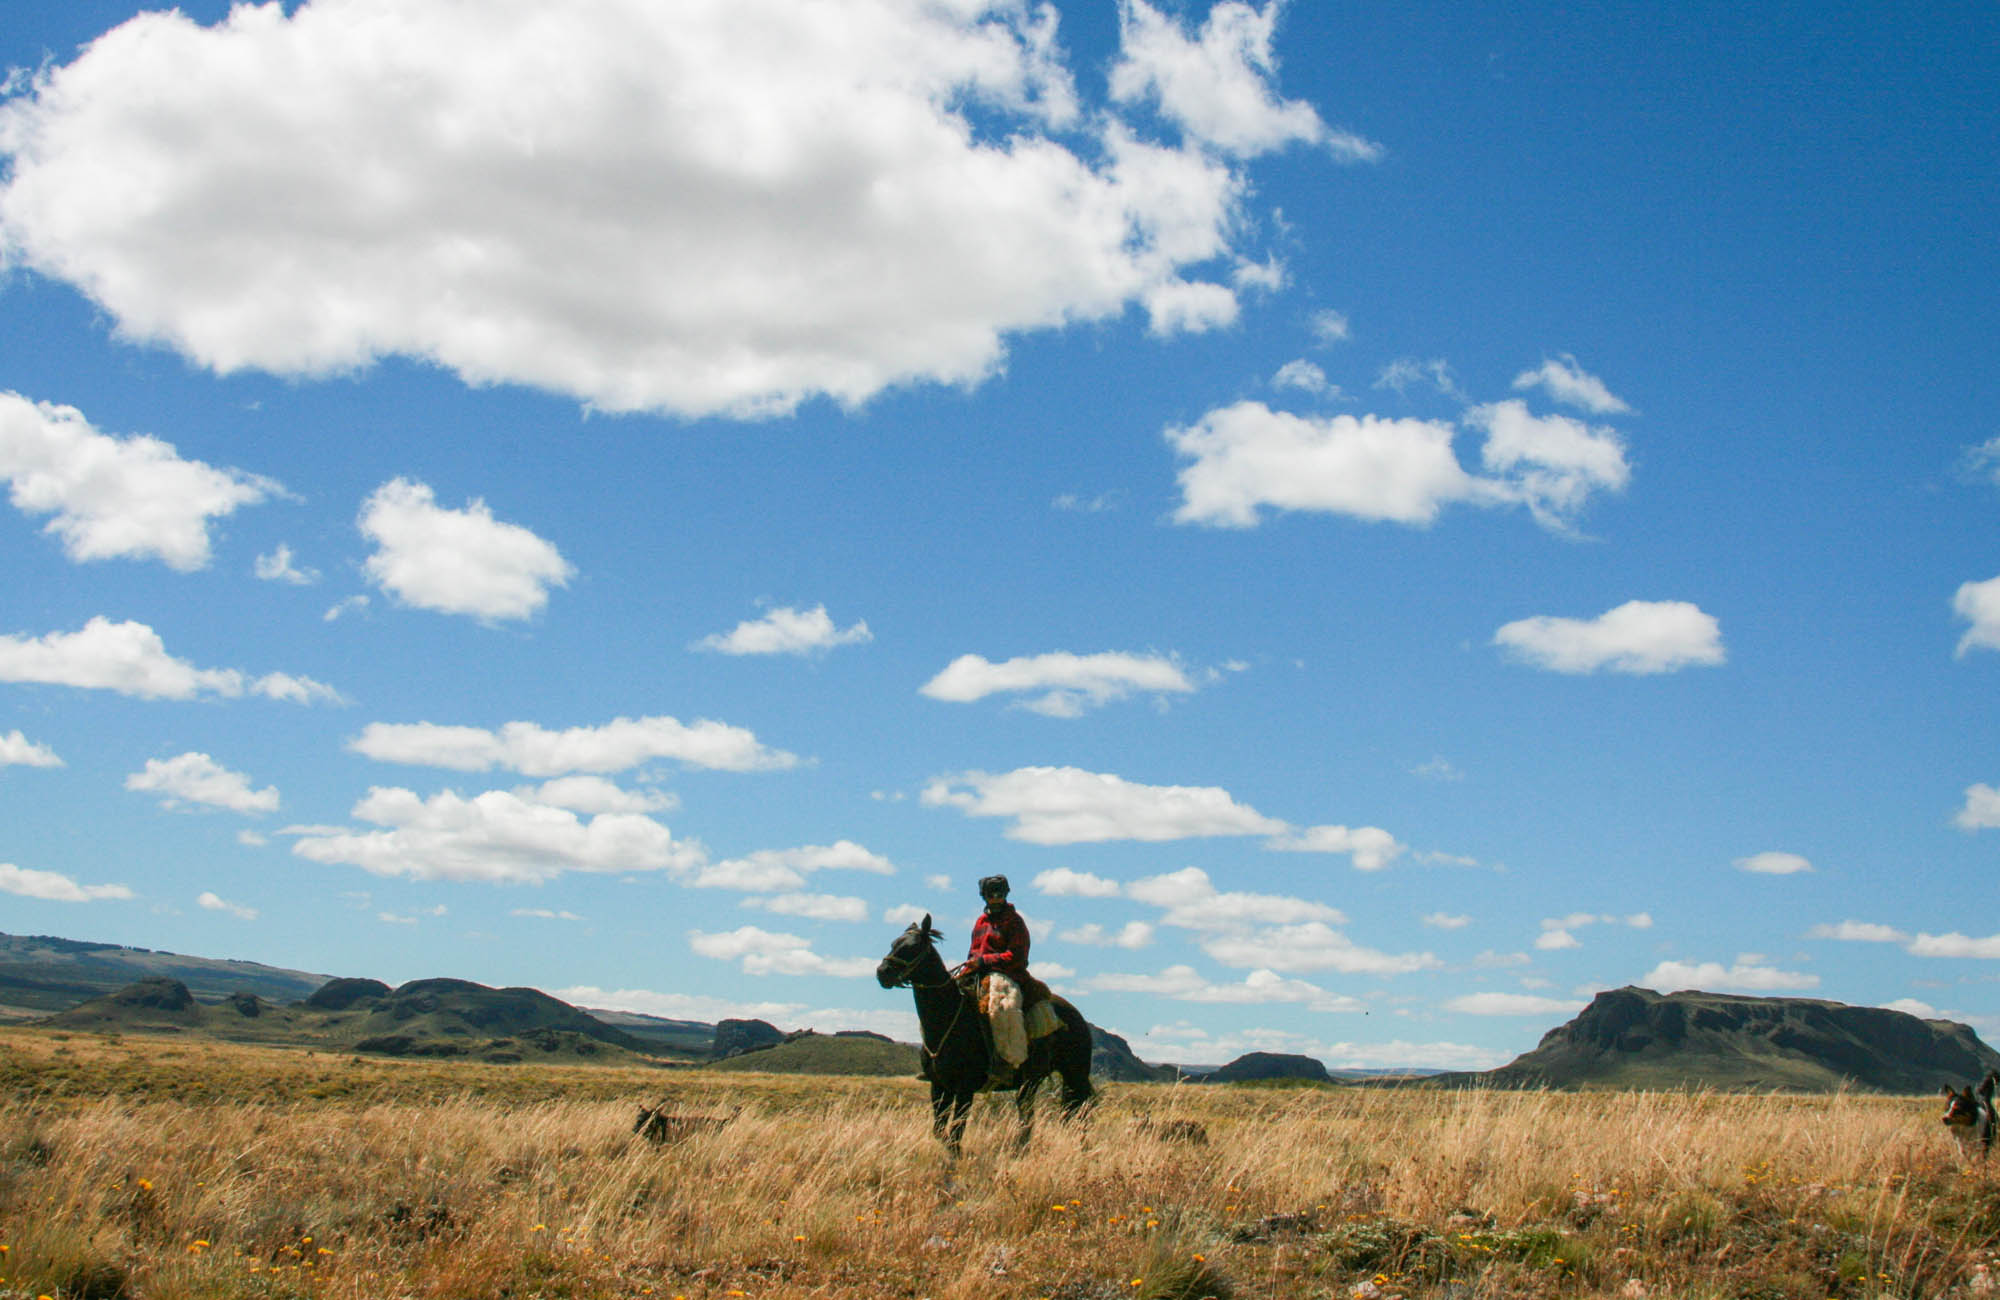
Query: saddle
{"x":1038,"y":1003}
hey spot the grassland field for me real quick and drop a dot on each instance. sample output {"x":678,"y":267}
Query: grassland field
{"x":160,"y":1168}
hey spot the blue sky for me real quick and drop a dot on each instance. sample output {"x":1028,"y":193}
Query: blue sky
{"x":1381,"y":523}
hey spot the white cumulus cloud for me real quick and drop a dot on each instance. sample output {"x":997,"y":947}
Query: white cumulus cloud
{"x":1067,"y":805}
{"x":1858,"y":932}
{"x":456,"y":561}
{"x":769,"y":871}
{"x":1062,"y":882}
{"x":1216,"y":84}
{"x":115,"y":498}
{"x":213,"y":902}
{"x":1981,"y":810}
{"x":17,"y":750}
{"x":1067,"y":683}
{"x":1955,"y":945}
{"x":786,"y":632}
{"x":814,"y":907}
{"x":130,"y":658}
{"x":1572,"y":385}
{"x":1131,"y":935}
{"x":762,"y":952}
{"x":1371,"y":847}
{"x":196,"y":778}
{"x":54,"y":887}
{"x":1551,"y":463}
{"x":1744,"y":975}
{"x":278,"y":566}
{"x":496,"y":837}
{"x":533,"y":750}
{"x":1637,"y":637}
{"x":1978,"y":603}
{"x":649,"y":207}
{"x":1247,"y":457}
{"x":1312,"y":946}
{"x":1258,"y":988}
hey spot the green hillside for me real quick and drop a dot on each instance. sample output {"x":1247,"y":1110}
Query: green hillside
{"x":43,"y":973}
{"x":811,"y":1053}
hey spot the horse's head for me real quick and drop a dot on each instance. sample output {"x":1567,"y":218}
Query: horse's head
{"x":912,"y":946}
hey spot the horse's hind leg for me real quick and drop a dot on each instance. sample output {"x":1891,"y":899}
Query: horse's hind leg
{"x":1076,"y":1094}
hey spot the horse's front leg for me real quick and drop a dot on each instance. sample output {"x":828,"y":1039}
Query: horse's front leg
{"x":942,"y":1127}
{"x":1024,"y":1111}
{"x":961,"y":1106}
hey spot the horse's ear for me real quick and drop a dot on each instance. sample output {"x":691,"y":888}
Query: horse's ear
{"x":924,"y":926}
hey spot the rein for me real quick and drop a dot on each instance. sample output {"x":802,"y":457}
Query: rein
{"x":908,"y":979}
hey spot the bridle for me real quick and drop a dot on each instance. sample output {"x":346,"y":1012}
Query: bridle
{"x":907,"y":979}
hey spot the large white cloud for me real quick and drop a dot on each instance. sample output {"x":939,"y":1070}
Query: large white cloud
{"x":532,"y":750}
{"x":130,"y":658}
{"x":1067,"y":805}
{"x":786,"y":632}
{"x":1217,"y":84}
{"x":1639,"y":636}
{"x":54,"y":887}
{"x":496,"y":837}
{"x":194,"y":777}
{"x":1064,"y":684}
{"x":456,"y":561}
{"x":115,"y":498}
{"x":17,"y":750}
{"x":709,"y":206}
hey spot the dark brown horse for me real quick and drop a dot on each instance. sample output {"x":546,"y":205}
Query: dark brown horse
{"x":957,"y":1051}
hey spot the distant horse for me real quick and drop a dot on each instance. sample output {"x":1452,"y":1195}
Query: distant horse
{"x":957,"y":1050}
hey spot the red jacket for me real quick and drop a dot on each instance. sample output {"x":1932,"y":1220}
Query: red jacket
{"x":1000,"y":942}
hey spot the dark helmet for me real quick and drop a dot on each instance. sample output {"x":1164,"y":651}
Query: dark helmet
{"x":991,"y":885}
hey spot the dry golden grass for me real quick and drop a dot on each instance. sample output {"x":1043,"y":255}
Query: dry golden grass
{"x":259,"y":1178}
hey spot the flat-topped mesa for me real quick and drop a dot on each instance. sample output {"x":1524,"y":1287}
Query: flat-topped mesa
{"x":1636,"y":1037}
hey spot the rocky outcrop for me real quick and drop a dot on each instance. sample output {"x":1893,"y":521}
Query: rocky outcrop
{"x":1111,"y":1057}
{"x":1634,"y":1037}
{"x":1269,"y":1065}
{"x":340,"y":994}
{"x":735,"y":1037}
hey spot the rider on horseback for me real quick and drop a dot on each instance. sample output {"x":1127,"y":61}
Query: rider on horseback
{"x":997,"y":962}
